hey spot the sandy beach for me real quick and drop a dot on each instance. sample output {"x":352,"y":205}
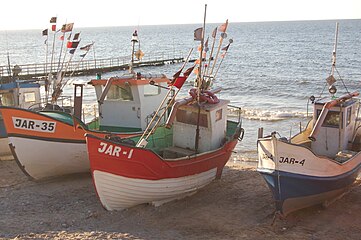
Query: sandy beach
{"x":238,"y":206}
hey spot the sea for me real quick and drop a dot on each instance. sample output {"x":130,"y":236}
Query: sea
{"x":270,"y":70}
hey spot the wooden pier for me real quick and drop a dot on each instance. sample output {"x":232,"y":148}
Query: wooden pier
{"x":85,"y":67}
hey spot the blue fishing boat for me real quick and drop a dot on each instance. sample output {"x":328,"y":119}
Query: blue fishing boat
{"x":320,"y":163}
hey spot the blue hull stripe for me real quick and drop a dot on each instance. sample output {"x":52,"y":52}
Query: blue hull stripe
{"x":285,"y":185}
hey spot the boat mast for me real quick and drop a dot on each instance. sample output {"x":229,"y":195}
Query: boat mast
{"x":331,"y":79}
{"x":134,"y":40}
{"x":200,"y":81}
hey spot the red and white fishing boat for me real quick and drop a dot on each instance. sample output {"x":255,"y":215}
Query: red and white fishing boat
{"x":168,"y":162}
{"x":170,"y":166}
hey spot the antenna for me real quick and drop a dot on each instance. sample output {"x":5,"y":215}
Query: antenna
{"x":331,"y":79}
{"x":134,"y":40}
{"x":334,"y":51}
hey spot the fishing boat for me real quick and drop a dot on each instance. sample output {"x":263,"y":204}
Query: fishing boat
{"x":48,"y":144}
{"x":16,"y":93}
{"x":320,"y":163}
{"x":169,"y":161}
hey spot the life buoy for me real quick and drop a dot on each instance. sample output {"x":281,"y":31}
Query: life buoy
{"x":205,"y":96}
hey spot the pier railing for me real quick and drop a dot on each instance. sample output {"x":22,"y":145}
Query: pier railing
{"x":86,"y":67}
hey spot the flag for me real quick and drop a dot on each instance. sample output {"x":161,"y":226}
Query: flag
{"x":61,"y":38}
{"x":72,"y":44}
{"x":189,"y":71}
{"x":139,"y":54}
{"x":76,"y":36}
{"x":86,"y":47}
{"x":53,"y":20}
{"x":206,"y":49}
{"x":45,"y":32}
{"x":72,"y":51}
{"x":214,"y":33}
{"x":226,"y":47}
{"x":198,"y":34}
{"x":53,"y":28}
{"x":177,"y":73}
{"x":67,"y":27}
{"x":178,"y":83}
{"x":223,"y":27}
{"x":83,"y":55}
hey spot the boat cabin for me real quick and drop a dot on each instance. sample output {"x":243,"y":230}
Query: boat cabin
{"x":20,"y":93}
{"x":126,"y":103}
{"x":337,"y":131}
{"x":212,"y":129}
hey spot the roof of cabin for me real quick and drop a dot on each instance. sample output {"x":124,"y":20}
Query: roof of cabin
{"x":20,"y":84}
{"x":132,"y":80}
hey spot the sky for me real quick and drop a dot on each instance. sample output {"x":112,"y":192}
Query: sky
{"x":35,"y":14}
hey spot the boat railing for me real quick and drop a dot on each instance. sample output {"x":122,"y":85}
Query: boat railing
{"x":63,"y":103}
{"x":234,"y":111}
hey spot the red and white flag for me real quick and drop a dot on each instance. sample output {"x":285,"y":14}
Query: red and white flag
{"x":180,"y":80}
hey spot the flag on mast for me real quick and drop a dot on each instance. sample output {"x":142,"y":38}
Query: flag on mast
{"x":226,"y":47}
{"x":76,"y":36}
{"x":198,"y":34}
{"x":71,"y":51}
{"x":53,"y":20}
{"x":180,"y":80}
{"x":53,"y":26}
{"x":45,"y":32}
{"x":223,"y":27}
{"x":214,"y":33}
{"x":87,"y":47}
{"x":67,"y":27}
{"x":72,"y":44}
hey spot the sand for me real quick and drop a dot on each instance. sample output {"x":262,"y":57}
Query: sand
{"x":238,"y":206}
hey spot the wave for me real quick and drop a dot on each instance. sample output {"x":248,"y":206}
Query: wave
{"x":268,"y":115}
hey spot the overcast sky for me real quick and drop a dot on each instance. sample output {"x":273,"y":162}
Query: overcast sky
{"x":35,"y":14}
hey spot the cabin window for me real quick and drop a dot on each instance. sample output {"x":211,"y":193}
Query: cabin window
{"x":29,"y":97}
{"x":192,"y":118}
{"x":348,"y":121}
{"x":218,"y":115}
{"x":7,"y":99}
{"x":120,"y":92}
{"x":332,"y":119}
{"x":150,"y":90}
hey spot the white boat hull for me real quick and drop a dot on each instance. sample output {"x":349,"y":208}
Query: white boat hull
{"x":118,"y":192}
{"x":51,"y":158}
